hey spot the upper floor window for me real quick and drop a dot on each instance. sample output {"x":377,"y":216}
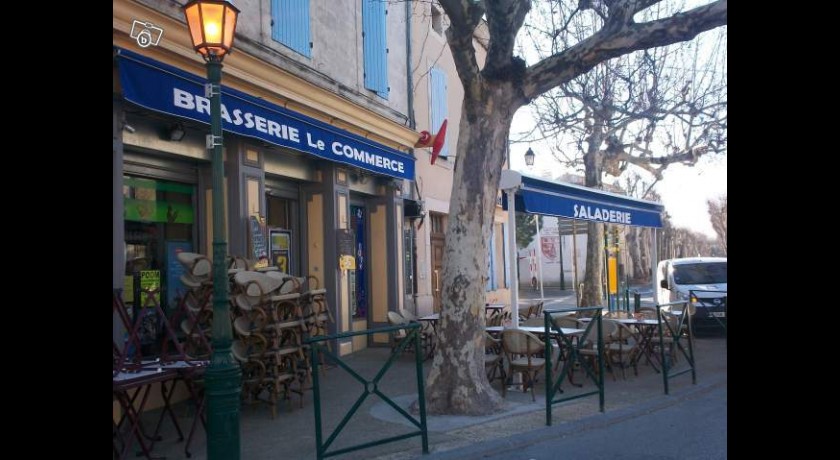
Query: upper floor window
{"x":375,"y":46}
{"x":437,"y":20}
{"x":438,"y":110}
{"x":290,"y":24}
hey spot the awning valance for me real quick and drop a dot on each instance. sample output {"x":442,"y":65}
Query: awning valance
{"x":163,"y":88}
{"x":539,"y":196}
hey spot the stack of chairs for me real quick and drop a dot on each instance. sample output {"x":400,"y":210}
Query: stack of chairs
{"x":269,"y":331}
{"x":194,"y":313}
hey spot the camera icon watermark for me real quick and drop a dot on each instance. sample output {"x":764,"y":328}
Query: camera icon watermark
{"x":146,"y":33}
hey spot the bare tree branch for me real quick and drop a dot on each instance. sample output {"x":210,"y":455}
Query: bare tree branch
{"x":609,"y":43}
{"x":464,"y":17}
{"x":504,"y":19}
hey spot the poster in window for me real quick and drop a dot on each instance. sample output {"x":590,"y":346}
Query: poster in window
{"x":149,"y":298}
{"x":174,"y":270}
{"x":280,"y":243}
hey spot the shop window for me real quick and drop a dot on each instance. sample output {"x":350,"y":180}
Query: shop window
{"x":282,"y":236}
{"x":159,"y":220}
{"x":408,"y":259}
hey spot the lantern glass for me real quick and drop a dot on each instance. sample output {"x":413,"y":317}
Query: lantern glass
{"x":212,"y":24}
{"x":529,"y":157}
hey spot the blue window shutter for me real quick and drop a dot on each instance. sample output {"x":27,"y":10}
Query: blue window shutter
{"x":438,"y":107}
{"x":375,"y":46}
{"x":290,"y":24}
{"x":505,"y":255}
{"x":491,"y":265}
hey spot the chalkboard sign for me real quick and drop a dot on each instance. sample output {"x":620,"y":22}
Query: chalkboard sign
{"x":258,"y":239}
{"x":345,"y":242}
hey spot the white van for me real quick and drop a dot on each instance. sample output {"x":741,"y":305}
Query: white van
{"x":705,"y":277}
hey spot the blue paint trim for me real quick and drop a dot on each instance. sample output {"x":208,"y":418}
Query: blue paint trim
{"x":537,"y":196}
{"x":163,"y":88}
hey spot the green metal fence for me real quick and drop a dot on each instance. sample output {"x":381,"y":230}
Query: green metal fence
{"x":677,"y":336}
{"x":316,"y":346}
{"x":571,"y":349}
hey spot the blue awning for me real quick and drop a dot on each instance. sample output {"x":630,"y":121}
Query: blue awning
{"x":539,"y":196}
{"x":167,"y":89}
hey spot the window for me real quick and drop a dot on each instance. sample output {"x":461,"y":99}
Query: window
{"x":375,"y":49}
{"x":408,"y":259}
{"x":497,"y":272}
{"x":437,"y":100}
{"x":438,"y":225}
{"x":491,"y":257}
{"x":159,"y":220}
{"x":700,"y":273}
{"x":290,"y":24}
{"x":437,"y":20}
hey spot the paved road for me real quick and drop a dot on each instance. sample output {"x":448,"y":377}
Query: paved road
{"x":690,"y":429}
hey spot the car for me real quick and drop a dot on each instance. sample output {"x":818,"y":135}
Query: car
{"x":700,"y":280}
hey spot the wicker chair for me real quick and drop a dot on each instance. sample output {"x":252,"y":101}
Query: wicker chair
{"x":524,"y":352}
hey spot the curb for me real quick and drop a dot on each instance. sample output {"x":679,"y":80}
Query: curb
{"x":518,"y":441}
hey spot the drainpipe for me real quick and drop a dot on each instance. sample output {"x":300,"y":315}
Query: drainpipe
{"x":411,"y":122}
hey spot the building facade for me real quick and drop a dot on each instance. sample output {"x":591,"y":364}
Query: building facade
{"x":317,"y":148}
{"x":438,"y":95}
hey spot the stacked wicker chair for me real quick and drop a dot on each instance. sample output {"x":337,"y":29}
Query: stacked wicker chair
{"x":269,"y":330}
{"x":194,"y":313}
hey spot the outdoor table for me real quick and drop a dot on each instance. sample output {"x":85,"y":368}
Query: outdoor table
{"x":647,"y":328}
{"x":433,"y":321}
{"x":126,"y":387}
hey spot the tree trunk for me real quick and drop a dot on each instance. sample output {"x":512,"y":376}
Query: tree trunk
{"x":634,"y":242}
{"x":593,"y":291}
{"x":645,"y":253}
{"x":457,"y":382}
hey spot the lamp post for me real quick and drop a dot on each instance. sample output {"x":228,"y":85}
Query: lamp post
{"x":529,"y":157}
{"x":212,"y":24}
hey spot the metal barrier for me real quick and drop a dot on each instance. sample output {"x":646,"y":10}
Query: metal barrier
{"x":676,"y":334}
{"x":553,"y":387}
{"x":370,"y":387}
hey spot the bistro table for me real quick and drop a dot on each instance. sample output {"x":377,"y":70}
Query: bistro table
{"x":646,"y":329}
{"x":432,"y":320}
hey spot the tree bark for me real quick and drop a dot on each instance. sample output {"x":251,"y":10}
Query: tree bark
{"x":645,"y":253}
{"x":634,"y":242}
{"x":593,"y":291}
{"x":457,"y":382}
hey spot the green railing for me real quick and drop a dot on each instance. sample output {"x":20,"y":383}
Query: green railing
{"x":370,"y":387}
{"x":572,"y":356}
{"x":677,"y":336}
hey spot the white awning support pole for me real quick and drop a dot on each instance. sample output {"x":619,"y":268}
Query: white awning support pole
{"x":539,"y":257}
{"x":509,"y":183}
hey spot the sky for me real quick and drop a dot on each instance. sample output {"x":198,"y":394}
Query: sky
{"x":684,"y":189}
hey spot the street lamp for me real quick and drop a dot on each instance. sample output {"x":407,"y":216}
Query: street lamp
{"x":529,"y":157}
{"x":212,"y":24}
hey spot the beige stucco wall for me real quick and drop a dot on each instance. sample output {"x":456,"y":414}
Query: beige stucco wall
{"x":429,"y":48}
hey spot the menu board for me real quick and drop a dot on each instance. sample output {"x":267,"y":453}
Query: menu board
{"x":345,"y":242}
{"x":258,"y":239}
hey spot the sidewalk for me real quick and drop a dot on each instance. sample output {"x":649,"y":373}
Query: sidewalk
{"x":291,"y":435}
